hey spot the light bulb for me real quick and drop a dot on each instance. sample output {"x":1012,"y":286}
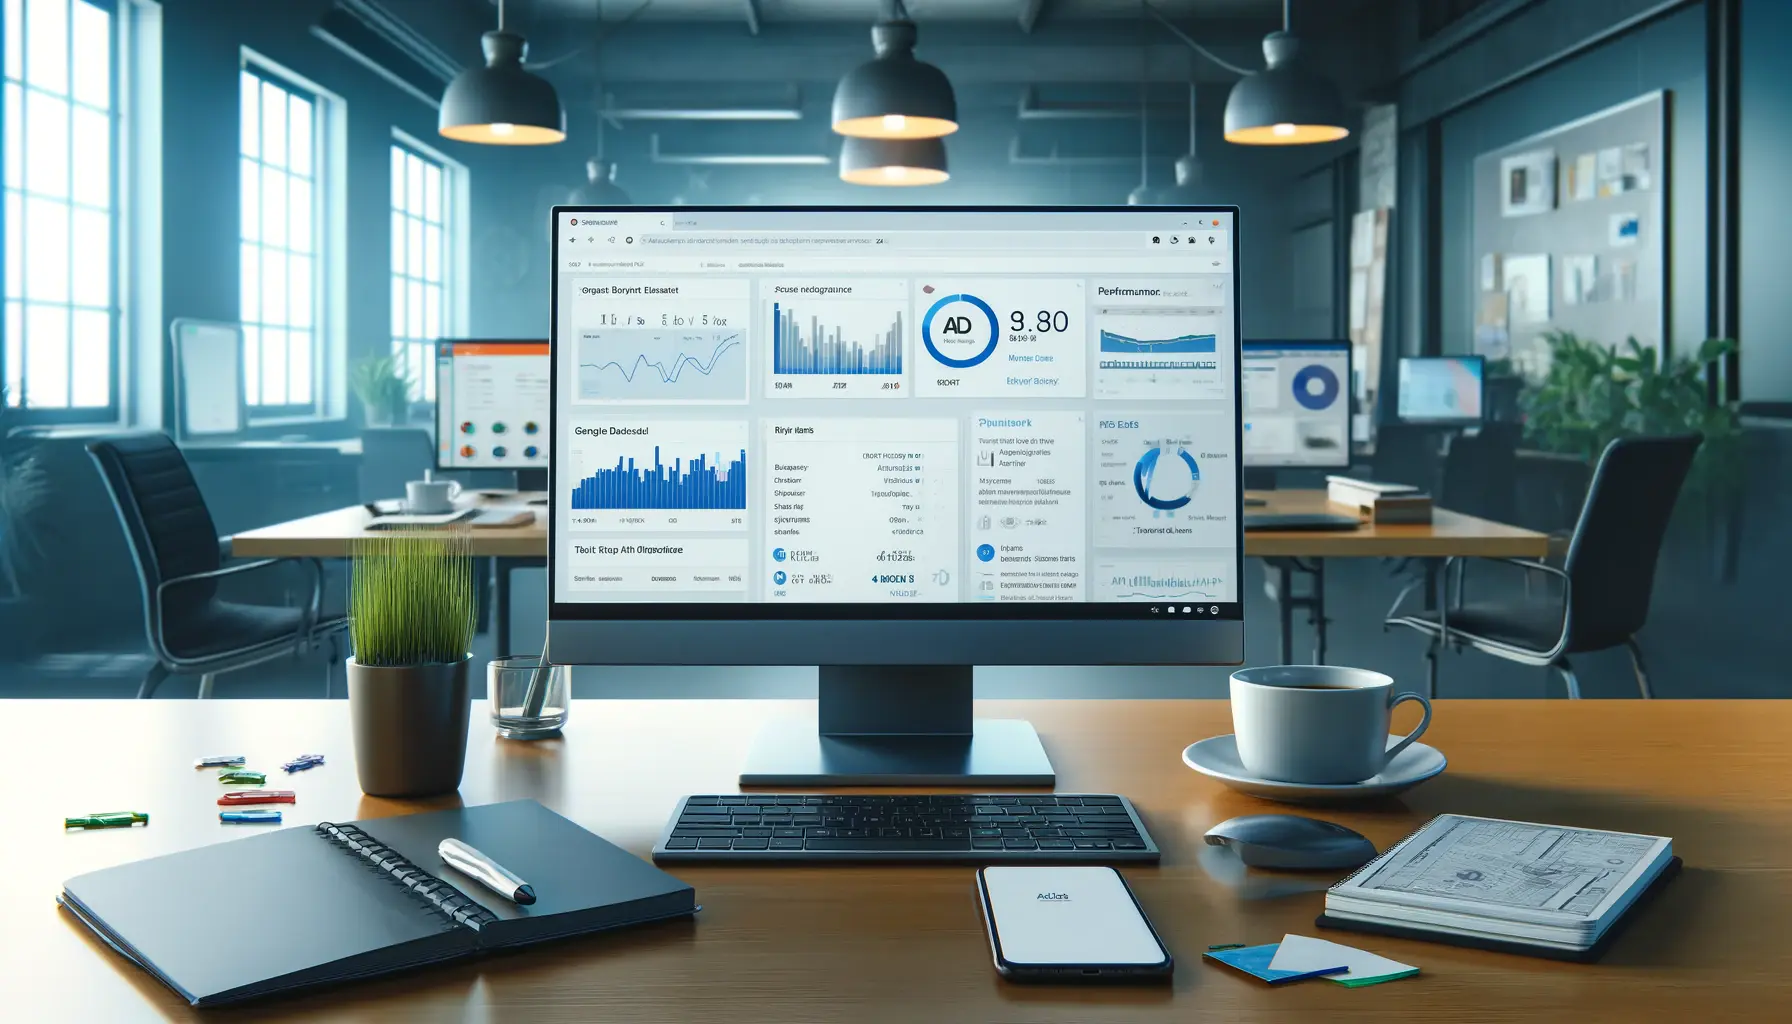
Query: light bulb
{"x":895,"y":172}
{"x":506,"y":128}
{"x":1284,"y":129}
{"x":895,"y":123}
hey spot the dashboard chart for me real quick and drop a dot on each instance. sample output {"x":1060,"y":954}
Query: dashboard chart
{"x":1001,"y":338}
{"x":1160,"y":351}
{"x":1164,"y":481}
{"x":645,"y":364}
{"x":683,"y":475}
{"x":837,"y":338}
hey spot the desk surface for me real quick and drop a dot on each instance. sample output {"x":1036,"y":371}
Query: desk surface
{"x":333,"y":534}
{"x":907,"y":943}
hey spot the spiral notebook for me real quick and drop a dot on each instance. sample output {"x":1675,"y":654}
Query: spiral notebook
{"x":311,"y":906}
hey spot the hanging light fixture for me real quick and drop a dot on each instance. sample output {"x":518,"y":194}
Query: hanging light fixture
{"x":896,"y":162}
{"x":1188,"y":165}
{"x":893,"y":95}
{"x":1284,"y":105}
{"x":600,"y":188}
{"x":502,"y":104}
{"x":1141,"y":196}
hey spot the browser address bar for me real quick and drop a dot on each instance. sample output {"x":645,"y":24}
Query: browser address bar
{"x":779,"y":240}
{"x":932,"y":241}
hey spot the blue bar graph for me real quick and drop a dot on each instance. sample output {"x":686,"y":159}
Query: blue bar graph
{"x":824,"y":350}
{"x":697,"y":484}
{"x":1114,"y":342}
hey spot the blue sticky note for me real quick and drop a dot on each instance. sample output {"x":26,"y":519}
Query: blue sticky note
{"x":1254,"y":961}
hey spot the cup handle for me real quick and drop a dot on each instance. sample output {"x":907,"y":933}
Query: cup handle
{"x":453,"y":489}
{"x":1406,"y":741}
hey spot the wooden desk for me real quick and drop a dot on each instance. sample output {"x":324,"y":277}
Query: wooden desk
{"x":906,"y":943}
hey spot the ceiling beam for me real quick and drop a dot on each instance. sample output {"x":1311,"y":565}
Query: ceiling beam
{"x":1030,"y":12}
{"x":751,"y":9}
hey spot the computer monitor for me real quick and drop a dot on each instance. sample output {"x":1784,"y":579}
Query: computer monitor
{"x":1296,"y":406}
{"x":492,"y":408}
{"x":1443,"y":390}
{"x":895,"y":443}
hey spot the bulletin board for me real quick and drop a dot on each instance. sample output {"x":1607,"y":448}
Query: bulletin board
{"x":1570,"y":234}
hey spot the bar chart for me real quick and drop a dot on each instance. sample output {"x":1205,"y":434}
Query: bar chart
{"x":631,"y":475}
{"x":837,"y":337}
{"x":813,"y":346}
{"x":700,"y":482}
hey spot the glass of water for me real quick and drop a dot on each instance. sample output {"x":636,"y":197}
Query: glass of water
{"x":528,"y":699}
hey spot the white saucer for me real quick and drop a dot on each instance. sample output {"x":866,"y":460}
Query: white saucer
{"x":1218,"y":757}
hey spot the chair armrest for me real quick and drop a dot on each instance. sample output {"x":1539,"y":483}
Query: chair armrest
{"x":216,"y":574}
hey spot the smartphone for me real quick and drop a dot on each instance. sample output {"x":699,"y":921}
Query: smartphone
{"x":1069,"y":924}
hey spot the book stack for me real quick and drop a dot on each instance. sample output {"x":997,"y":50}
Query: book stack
{"x":1380,"y":503}
{"x":1515,"y":886}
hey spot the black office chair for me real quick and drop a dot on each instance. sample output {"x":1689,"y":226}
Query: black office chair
{"x":1607,"y":576}
{"x":180,"y":560}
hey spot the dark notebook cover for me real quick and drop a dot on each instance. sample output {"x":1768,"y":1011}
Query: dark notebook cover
{"x":294,"y":909}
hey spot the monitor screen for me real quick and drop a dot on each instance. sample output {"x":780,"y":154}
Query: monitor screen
{"x":1296,"y":404}
{"x":492,"y":405}
{"x":1443,"y":389}
{"x":896,"y":413}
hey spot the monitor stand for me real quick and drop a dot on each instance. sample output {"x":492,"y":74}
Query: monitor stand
{"x":897,"y":725}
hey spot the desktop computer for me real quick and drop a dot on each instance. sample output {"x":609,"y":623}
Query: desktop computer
{"x":1296,"y":407}
{"x":895,"y":443}
{"x":492,"y":408}
{"x":1441,"y":390}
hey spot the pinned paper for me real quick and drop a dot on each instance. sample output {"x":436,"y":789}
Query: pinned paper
{"x":1299,"y":953}
{"x":1255,"y":961}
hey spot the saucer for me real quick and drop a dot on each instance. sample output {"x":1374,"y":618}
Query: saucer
{"x":1218,"y":757}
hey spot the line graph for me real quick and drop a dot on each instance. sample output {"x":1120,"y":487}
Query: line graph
{"x":1112,"y":341}
{"x":641,"y":365}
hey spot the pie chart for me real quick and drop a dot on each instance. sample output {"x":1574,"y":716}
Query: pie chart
{"x":1165,"y":478}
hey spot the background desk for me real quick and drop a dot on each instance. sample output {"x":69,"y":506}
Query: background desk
{"x":906,"y":943}
{"x":1291,"y":552}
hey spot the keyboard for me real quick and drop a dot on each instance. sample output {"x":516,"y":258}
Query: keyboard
{"x":1299,"y":521}
{"x":975,"y":827}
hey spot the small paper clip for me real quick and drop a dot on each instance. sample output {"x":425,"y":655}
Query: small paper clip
{"x":106,"y":819}
{"x":302,"y":762}
{"x":242,"y":776}
{"x":257,"y":796}
{"x":261,"y":817}
{"x":221,"y":761}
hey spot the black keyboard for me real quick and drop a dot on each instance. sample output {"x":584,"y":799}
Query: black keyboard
{"x":976,"y":827}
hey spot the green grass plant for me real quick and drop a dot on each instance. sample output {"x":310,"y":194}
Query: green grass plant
{"x":413,"y":599}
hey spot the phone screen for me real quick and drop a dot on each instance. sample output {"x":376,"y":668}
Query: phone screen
{"x":1070,"y":916}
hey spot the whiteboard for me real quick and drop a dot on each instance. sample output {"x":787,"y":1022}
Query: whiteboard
{"x":208,"y":377}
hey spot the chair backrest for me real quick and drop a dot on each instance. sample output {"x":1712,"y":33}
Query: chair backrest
{"x":1611,"y":559}
{"x":1481,"y":473}
{"x":391,"y":457}
{"x":165,"y":520}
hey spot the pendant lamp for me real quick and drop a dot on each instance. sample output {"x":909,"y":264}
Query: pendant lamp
{"x":893,"y":95}
{"x":502,"y":104}
{"x":893,"y":162}
{"x":1284,"y":105}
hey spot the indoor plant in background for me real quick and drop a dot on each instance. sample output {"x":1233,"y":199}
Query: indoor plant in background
{"x":383,"y":387}
{"x":412,"y":613}
{"x":24,"y":487}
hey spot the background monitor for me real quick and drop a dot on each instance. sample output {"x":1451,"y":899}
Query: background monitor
{"x":1441,"y":389}
{"x":896,"y":443}
{"x":492,"y":407}
{"x":1296,"y":404}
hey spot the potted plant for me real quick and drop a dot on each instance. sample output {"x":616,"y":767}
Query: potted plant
{"x":23,"y":489}
{"x":384,"y":388}
{"x":412,"y":613}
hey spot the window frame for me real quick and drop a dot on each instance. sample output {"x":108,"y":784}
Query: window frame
{"x":113,"y":411}
{"x":424,"y":348}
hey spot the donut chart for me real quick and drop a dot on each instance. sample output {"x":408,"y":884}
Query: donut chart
{"x":1146,"y":469}
{"x":1315,"y":387}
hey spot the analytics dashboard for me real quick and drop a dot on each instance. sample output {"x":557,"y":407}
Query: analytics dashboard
{"x":1030,"y":409}
{"x":492,"y":404}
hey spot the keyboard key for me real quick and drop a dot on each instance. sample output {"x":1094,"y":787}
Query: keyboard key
{"x":751,"y":844}
{"x":762,"y":799}
{"x":1093,"y":844}
{"x":1112,"y":801}
{"x":986,"y":844}
{"x":1056,"y":844}
{"x":705,"y":833}
{"x":1105,"y":819}
{"x":677,"y":843}
{"x":787,"y":844}
{"x":787,"y":833}
{"x":957,"y":833}
{"x":774,"y":812}
{"x":1046,"y":833}
{"x":714,"y":844}
{"x":1015,"y":833}
{"x":818,"y":833}
{"x":890,"y":845}
{"x":805,"y":819}
{"x":986,"y":833}
{"x":744,"y":819}
{"x":705,"y":819}
{"x":756,"y":833}
{"x":1007,"y":800}
{"x":1070,"y":801}
{"x":1129,"y":844}
{"x":853,"y":833}
{"x":1017,"y":844}
{"x":790,"y":800}
{"x":700,"y":800}
{"x":731,"y":800}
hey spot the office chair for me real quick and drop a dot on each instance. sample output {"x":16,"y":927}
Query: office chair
{"x":180,"y":559}
{"x":392,"y":457}
{"x":1606,"y":579}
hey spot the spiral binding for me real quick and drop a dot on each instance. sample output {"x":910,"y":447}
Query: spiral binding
{"x":427,"y":887}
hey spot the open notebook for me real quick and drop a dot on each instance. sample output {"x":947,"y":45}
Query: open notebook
{"x":1541,"y":890}
{"x":319,"y":905}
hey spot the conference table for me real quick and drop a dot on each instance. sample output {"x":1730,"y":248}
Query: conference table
{"x":883,"y":942}
{"x":1293,"y":554}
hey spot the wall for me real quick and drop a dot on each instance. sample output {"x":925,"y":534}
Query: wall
{"x":1766,"y":112}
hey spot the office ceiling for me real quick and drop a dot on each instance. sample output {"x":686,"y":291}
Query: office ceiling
{"x":776,"y":11}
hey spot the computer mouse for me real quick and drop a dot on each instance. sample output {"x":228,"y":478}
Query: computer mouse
{"x":1292,"y":843}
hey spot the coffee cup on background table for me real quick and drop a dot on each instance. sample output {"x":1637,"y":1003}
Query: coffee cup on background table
{"x":1317,"y":724}
{"x":430,"y":497}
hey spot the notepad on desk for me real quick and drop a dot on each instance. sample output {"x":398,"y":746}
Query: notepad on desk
{"x":304,"y":907}
{"x":1540,"y":890}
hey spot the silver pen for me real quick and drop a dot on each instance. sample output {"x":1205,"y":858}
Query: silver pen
{"x":486,"y":871}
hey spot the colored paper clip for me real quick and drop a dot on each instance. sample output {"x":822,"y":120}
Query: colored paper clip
{"x":302,"y":762}
{"x":257,"y":796}
{"x":242,"y":776}
{"x":106,"y":819}
{"x":260,"y":817}
{"x":221,"y":761}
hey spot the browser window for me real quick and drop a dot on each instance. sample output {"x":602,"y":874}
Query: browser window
{"x":897,"y":407}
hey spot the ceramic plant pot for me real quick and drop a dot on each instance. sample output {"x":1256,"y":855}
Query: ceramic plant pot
{"x":410,"y":727}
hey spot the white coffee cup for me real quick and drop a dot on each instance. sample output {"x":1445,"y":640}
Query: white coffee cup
{"x":1317,"y":724}
{"x":430,"y":497}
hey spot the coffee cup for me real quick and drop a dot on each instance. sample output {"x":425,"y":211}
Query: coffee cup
{"x":1317,"y":724}
{"x":430,"y":497}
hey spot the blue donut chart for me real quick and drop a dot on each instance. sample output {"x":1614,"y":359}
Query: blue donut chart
{"x":1328,"y":387}
{"x":995,"y":331}
{"x":1147,"y":467}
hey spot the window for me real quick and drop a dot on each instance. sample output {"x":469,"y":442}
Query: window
{"x":281,"y":237}
{"x":419,"y":264}
{"x":61,"y":185}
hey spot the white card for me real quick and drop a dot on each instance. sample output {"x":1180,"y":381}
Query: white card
{"x":1300,"y":953}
